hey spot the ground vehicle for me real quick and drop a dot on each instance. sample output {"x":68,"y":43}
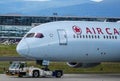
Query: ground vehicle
{"x":20,"y":69}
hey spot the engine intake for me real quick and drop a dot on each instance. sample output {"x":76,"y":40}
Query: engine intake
{"x":81,"y":65}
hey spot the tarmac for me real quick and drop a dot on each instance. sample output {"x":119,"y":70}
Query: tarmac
{"x":67,"y":77}
{"x":15,"y":59}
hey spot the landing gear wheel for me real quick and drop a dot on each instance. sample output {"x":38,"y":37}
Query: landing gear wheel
{"x":36,"y":74}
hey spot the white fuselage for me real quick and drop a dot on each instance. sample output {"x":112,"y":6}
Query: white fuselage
{"x":73,"y":41}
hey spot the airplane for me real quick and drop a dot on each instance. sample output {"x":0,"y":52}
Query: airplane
{"x":79,"y":43}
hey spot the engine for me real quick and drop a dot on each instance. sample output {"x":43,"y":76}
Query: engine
{"x":81,"y":65}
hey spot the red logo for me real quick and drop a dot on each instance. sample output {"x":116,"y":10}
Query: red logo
{"x":77,"y":30}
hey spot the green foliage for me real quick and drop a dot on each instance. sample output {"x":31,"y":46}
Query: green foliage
{"x":102,"y":68}
{"x":8,"y":50}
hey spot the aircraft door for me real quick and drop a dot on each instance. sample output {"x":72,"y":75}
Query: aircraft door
{"x":62,"y":36}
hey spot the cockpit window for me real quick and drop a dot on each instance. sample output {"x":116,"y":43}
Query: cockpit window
{"x":36,"y":35}
{"x":39,"y":35}
{"x":30,"y":35}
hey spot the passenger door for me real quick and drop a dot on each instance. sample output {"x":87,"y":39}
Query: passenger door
{"x":62,"y":37}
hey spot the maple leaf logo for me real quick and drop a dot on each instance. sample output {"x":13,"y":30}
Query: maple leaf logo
{"x":77,"y":30}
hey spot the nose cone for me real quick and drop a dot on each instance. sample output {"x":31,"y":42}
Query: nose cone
{"x":22,"y":48}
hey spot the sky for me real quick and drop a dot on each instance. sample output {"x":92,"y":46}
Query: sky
{"x":39,"y":4}
{"x":62,"y":7}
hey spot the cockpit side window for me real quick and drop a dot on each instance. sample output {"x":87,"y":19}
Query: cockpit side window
{"x":39,"y":35}
{"x":29,"y":35}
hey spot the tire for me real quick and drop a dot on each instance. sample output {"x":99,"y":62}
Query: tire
{"x":36,"y":74}
{"x":20,"y":75}
{"x":58,"y":74}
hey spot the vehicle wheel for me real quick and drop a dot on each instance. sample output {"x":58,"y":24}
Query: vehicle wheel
{"x":36,"y":74}
{"x":58,"y":75}
{"x":20,"y":75}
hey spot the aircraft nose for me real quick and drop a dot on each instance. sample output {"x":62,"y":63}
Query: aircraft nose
{"x":22,"y":48}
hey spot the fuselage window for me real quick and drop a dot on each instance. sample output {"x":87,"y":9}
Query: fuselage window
{"x":30,"y":35}
{"x":74,"y":36}
{"x":39,"y":35}
{"x":80,"y":36}
{"x":112,"y":37}
{"x":115,"y":37}
{"x":83,"y":36}
{"x":86,"y":36}
{"x":95,"y":36}
{"x":107,"y":37}
{"x":92,"y":36}
{"x":89,"y":36}
{"x":77,"y":36}
{"x":104,"y":36}
{"x":98,"y":36}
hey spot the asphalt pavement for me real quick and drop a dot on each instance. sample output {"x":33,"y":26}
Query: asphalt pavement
{"x":67,"y":77}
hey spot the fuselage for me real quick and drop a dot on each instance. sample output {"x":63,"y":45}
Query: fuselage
{"x":73,"y":41}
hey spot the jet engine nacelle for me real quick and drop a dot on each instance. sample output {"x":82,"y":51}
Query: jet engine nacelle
{"x":81,"y":65}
